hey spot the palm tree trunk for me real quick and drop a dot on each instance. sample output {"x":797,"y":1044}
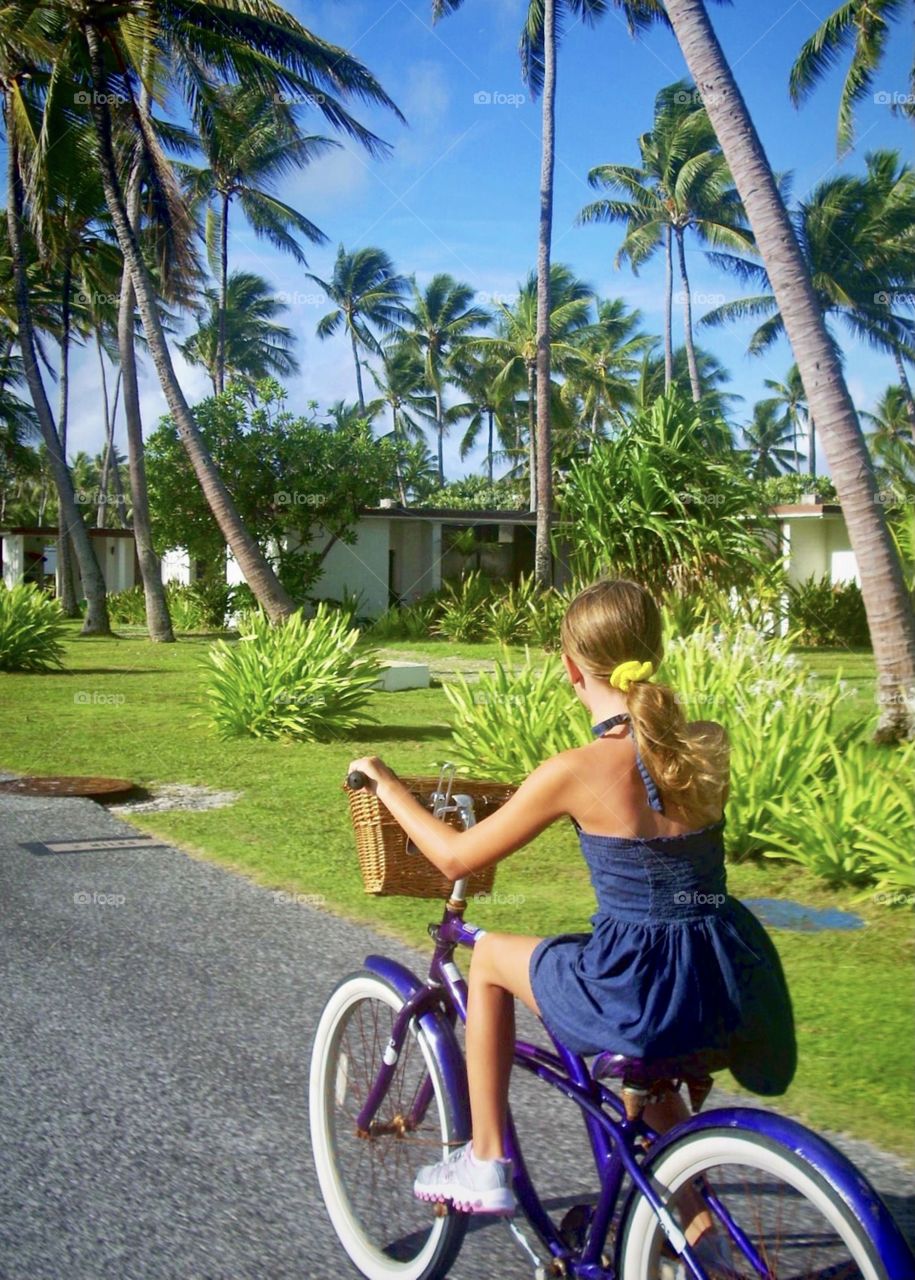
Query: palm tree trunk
{"x":223,"y":296}
{"x":361,"y":393}
{"x":694,"y":382}
{"x":398,"y":460}
{"x":96,"y":620}
{"x":668,"y":308}
{"x":543,"y":560}
{"x":889,"y":608}
{"x":811,"y":445}
{"x":257,"y":572}
{"x":440,"y":430}
{"x":489,"y":449}
{"x":101,"y":514}
{"x":66,"y":586}
{"x":532,"y":433}
{"x":158,"y":619}
{"x":906,"y":391}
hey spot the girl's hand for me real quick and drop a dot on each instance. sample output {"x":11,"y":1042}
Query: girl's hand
{"x":374,"y":769}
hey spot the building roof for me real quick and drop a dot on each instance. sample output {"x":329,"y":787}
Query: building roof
{"x":462,"y":515}
{"x":806,"y":509}
{"x":51,"y":531}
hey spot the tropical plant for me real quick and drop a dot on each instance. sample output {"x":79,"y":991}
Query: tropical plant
{"x":889,"y":607}
{"x":718,"y":404}
{"x":792,"y":487}
{"x":654,"y":504}
{"x":32,"y":629}
{"x":790,"y":400}
{"x":366,"y":293}
{"x":822,"y":612}
{"x":864,"y":26}
{"x":769,"y":438}
{"x":682,"y":185}
{"x":478,"y":492}
{"x":300,"y":679}
{"x":239,"y":335}
{"x":401,"y":382}
{"x":857,"y":823}
{"x":600,"y":377}
{"x":490,"y":404}
{"x":461,"y":613}
{"x":441,"y":315}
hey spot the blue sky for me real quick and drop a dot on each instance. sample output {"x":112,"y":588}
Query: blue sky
{"x":459,"y":191}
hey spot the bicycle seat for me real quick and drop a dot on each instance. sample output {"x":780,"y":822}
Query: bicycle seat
{"x":693,"y":1069}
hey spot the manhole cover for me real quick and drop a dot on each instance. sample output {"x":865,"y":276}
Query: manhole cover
{"x":101,"y":789}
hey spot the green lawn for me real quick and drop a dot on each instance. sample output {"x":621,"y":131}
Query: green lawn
{"x":127,"y":708}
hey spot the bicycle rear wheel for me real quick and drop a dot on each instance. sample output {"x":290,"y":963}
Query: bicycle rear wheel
{"x":367,"y":1180}
{"x":796,"y":1224}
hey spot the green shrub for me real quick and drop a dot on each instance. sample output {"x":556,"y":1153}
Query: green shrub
{"x":513,"y":718}
{"x":128,"y":608}
{"x":857,"y":823}
{"x":32,"y":629}
{"x":790,"y":488}
{"x":825,"y":613}
{"x":547,"y":612}
{"x":196,"y":606}
{"x":300,"y":678}
{"x":462,"y":609}
{"x":509,"y":615}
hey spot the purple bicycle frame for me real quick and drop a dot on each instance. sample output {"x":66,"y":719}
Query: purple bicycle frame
{"x":437,"y":1002}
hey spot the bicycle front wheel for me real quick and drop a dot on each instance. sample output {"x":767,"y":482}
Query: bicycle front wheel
{"x":789,"y":1216}
{"x":367,"y":1178}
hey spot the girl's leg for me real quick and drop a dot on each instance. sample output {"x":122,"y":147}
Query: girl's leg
{"x":662,"y":1115}
{"x":498,"y":973}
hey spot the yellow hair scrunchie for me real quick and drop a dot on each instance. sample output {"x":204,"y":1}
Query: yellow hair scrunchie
{"x":627,"y":673}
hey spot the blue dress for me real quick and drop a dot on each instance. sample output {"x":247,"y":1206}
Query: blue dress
{"x":674,"y":965}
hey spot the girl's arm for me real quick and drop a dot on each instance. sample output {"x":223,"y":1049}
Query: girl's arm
{"x":537,"y":802}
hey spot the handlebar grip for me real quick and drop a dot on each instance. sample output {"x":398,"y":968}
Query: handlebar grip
{"x":356,"y":780}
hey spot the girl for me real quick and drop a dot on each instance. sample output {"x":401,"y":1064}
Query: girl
{"x":673,"y":966}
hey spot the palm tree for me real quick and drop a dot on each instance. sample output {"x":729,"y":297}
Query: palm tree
{"x":402,"y":386}
{"x":539,"y":40}
{"x":366,"y":291}
{"x":790,"y":400}
{"x":890,"y":443}
{"x":262,"y":44}
{"x":889,"y":608}
{"x":243,"y":321}
{"x":769,"y":438}
{"x":440,"y":316}
{"x":856,"y":234}
{"x":682,"y":184}
{"x":600,"y":377}
{"x":517,"y":346}
{"x":863,"y":24}
{"x":250,"y":140}
{"x":22,"y":40}
{"x":488,"y":405}
{"x":718,"y":404}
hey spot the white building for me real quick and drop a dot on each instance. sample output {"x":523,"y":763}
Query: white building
{"x":30,"y":555}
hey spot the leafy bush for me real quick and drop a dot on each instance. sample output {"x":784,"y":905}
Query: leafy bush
{"x":510,"y":614}
{"x":857,"y":824}
{"x":826,"y":613}
{"x":547,"y":612}
{"x":300,"y":678}
{"x":195,"y":606}
{"x":462,"y":609}
{"x":791,"y":488}
{"x":513,"y":718}
{"x":759,"y":604}
{"x":32,"y":629}
{"x":475,"y":493}
{"x":405,"y":622}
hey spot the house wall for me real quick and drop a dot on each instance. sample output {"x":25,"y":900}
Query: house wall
{"x":176,"y":566}
{"x":416,"y":564}
{"x":13,"y":553}
{"x":819,"y":546}
{"x":362,"y":567}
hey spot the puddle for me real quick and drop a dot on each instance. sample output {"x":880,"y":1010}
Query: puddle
{"x":783,"y":913}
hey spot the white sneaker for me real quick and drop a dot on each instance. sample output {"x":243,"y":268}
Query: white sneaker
{"x":475,"y":1186}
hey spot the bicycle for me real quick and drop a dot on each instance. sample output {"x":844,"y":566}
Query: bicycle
{"x":388,"y":1093}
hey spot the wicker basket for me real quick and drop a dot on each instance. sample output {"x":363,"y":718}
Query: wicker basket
{"x":387,"y":868}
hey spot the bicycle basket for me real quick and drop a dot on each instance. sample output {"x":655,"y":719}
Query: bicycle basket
{"x":387,"y":868}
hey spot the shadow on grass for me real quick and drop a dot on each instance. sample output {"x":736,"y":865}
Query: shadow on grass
{"x":104,"y":671}
{"x":397,"y":733}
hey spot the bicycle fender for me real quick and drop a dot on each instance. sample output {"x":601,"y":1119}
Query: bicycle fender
{"x":440,"y":1034}
{"x":832,"y":1166}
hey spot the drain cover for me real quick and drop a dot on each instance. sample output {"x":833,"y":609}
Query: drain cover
{"x":101,"y":789}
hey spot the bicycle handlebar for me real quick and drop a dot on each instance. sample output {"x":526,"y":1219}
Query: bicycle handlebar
{"x":356,"y":780}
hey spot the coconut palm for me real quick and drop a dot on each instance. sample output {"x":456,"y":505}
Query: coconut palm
{"x":239,"y":334}
{"x":889,"y":608}
{"x":251,"y":141}
{"x":682,"y":185}
{"x":401,"y":383}
{"x":856,"y":234}
{"x":539,"y":41}
{"x":251,"y":43}
{"x":489,"y":405}
{"x":718,"y":405}
{"x":367,"y":294}
{"x":790,"y":400}
{"x":600,"y":377}
{"x":863,"y":25}
{"x":890,"y":442}
{"x":769,"y":439}
{"x":441,"y":315}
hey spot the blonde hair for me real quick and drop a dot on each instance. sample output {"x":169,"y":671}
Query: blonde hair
{"x":614,"y":621}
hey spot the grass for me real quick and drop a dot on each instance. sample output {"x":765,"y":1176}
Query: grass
{"x":126,"y":708}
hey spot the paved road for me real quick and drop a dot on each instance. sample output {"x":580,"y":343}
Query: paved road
{"x":156,"y":1014}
